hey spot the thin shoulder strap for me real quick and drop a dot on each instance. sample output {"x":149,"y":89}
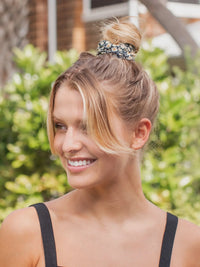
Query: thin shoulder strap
{"x":47,"y":234}
{"x":168,"y":240}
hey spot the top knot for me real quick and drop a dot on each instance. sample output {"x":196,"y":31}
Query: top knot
{"x":122,"y":32}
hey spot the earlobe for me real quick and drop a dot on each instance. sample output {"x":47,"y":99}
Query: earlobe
{"x":141,"y":134}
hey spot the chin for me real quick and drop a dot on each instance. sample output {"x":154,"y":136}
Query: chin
{"x":81,"y":182}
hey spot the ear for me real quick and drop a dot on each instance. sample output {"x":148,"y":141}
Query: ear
{"x":141,"y":134}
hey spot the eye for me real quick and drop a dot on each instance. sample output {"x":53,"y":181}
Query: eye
{"x":83,"y":127}
{"x":60,"y":126}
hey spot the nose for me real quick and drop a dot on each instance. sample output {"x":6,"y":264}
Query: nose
{"x":71,"y":142}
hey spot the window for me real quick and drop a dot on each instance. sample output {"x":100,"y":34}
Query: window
{"x":185,"y":8}
{"x":101,"y":3}
{"x":186,"y":1}
{"x":102,"y":9}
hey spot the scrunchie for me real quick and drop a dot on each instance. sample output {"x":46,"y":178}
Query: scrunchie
{"x":124,"y":51}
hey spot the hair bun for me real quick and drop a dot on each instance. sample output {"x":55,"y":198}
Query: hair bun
{"x":122,"y":31}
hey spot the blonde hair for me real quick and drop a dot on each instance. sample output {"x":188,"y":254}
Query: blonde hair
{"x":109,"y":85}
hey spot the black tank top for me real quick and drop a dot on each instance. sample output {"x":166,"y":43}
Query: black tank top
{"x":49,"y":241}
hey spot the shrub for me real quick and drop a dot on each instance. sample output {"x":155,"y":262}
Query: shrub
{"x":171,"y":177}
{"x":28,"y":171}
{"x":30,"y":174}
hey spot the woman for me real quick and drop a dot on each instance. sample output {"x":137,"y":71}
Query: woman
{"x":101,"y":113}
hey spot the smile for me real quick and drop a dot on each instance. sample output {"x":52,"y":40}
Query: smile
{"x":77,"y":163}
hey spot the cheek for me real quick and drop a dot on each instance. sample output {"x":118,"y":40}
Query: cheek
{"x":58,"y":142}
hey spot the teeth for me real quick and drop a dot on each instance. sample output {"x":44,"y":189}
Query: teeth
{"x":79,"y":162}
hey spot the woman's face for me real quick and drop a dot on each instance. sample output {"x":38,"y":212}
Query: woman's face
{"x":85,"y":163}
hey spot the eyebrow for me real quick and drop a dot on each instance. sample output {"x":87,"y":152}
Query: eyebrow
{"x":79,"y":121}
{"x":54,"y":117}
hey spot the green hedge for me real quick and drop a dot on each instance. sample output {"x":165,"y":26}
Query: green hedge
{"x":28,"y":172}
{"x":171,"y":173}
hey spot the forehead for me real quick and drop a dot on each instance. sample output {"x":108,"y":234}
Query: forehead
{"x":68,"y":103}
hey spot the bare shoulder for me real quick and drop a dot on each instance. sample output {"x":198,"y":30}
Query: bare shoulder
{"x":19,"y":237}
{"x":189,"y":230}
{"x":188,"y":240}
{"x":19,"y":219}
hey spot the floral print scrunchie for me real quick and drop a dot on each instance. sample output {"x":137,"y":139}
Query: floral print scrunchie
{"x":124,"y":51}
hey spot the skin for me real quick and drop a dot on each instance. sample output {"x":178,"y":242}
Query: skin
{"x":106,"y":220}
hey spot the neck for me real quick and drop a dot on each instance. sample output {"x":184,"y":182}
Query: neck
{"x":117,"y":201}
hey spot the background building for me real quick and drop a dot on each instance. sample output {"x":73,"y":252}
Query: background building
{"x":76,"y":24}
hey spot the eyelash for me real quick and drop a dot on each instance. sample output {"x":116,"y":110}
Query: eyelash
{"x":83,"y":127}
{"x":60,"y":126}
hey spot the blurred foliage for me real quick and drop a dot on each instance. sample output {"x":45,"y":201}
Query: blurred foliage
{"x":28,"y":172}
{"x":171,"y":175}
